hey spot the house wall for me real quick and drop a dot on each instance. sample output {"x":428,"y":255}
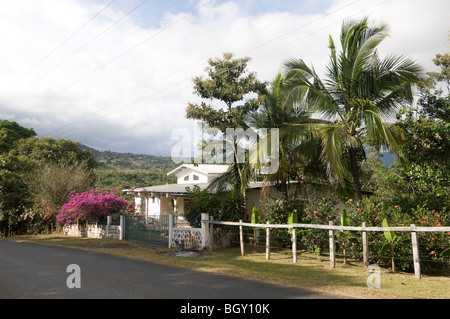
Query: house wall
{"x":138,"y":204}
{"x":166,"y":205}
{"x":190,"y":176}
{"x":153,"y":205}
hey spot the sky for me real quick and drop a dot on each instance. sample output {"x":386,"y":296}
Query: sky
{"x":117,"y":74}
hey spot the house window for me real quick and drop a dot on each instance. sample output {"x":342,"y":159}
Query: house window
{"x":186,"y":178}
{"x":195,"y":178}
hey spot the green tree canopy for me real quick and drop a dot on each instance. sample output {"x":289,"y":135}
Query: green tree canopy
{"x":230,"y":83}
{"x":35,"y":150}
{"x":360,"y":92}
{"x":10,"y":132}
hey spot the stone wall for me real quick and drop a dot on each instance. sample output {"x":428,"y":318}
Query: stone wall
{"x":186,"y":238}
{"x":94,"y":231}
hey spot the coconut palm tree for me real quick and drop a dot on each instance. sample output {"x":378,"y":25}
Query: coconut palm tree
{"x":361,"y":91}
{"x":299,"y":150}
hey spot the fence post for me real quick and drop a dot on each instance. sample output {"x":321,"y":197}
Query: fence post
{"x":332,"y":246}
{"x":108,"y":224}
{"x":211,"y":233}
{"x":241,"y":237}
{"x":294,"y":245}
{"x":415,"y":249}
{"x":170,"y":229}
{"x":267,"y":242}
{"x":122,"y":227}
{"x":205,"y":230}
{"x":365,"y":241}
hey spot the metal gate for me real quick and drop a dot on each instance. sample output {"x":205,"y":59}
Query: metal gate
{"x":152,"y":230}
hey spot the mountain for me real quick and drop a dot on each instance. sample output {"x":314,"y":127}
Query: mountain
{"x":126,"y":170}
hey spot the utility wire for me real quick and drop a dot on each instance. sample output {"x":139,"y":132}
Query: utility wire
{"x":254,"y":48}
{"x":59,"y":46}
{"x":116,"y":58}
{"x":179,"y":82}
{"x":70,"y":56}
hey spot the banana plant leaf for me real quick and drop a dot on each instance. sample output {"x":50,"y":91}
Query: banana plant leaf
{"x":389,"y":235}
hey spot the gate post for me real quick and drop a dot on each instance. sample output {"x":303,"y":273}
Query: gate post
{"x":205,"y":230}
{"x":108,"y":224}
{"x":122,"y":227}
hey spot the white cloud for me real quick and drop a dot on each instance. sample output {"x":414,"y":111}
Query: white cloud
{"x":124,"y":85}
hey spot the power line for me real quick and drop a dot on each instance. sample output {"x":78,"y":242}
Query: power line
{"x":59,"y":46}
{"x":291,"y":31}
{"x":199,"y":61}
{"x":261,"y":45}
{"x":70,"y":56}
{"x":179,"y":82}
{"x":187,"y":79}
{"x":119,"y":56}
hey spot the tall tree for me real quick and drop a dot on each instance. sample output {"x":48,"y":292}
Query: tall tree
{"x":299,"y":149}
{"x":427,"y":135}
{"x":361,"y":90}
{"x":230,"y":84}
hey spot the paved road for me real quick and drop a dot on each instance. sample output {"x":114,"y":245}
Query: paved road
{"x":35,"y":271}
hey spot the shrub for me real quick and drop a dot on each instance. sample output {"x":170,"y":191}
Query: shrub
{"x":374,"y":210}
{"x":36,"y":219}
{"x":92,"y":207}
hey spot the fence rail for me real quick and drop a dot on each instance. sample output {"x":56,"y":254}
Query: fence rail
{"x":334,"y":227}
{"x":331,"y":233}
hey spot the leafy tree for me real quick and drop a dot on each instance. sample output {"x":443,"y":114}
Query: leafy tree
{"x":359,"y":92}
{"x":10,"y":132}
{"x":34,"y":151}
{"x":229,"y":84}
{"x":51,"y":183}
{"x":426,"y":150}
{"x":40,"y":171}
{"x":14,"y":193}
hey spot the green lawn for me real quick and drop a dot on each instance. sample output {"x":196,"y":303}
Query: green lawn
{"x":309,"y":271}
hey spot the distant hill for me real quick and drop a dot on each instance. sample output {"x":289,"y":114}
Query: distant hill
{"x":126,"y":170}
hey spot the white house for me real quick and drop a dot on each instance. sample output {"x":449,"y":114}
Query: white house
{"x":164,"y":199}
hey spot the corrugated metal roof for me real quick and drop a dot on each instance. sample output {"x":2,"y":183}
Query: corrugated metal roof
{"x":177,"y":188}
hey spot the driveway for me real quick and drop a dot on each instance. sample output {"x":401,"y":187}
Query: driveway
{"x":37,"y":271}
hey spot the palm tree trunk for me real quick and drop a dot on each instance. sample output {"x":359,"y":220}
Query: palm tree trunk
{"x":356,"y":176}
{"x":242,"y":187}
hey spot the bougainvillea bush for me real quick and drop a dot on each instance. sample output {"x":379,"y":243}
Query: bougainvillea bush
{"x":37,"y":219}
{"x":92,"y":207}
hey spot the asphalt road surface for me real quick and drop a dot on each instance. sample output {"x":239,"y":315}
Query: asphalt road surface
{"x":41,"y":272}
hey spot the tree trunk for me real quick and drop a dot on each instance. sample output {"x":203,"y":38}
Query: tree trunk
{"x":355,"y":173}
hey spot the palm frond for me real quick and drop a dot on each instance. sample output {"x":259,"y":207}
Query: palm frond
{"x":332,"y":137}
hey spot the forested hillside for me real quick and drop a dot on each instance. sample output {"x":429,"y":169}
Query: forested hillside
{"x":127,"y":170}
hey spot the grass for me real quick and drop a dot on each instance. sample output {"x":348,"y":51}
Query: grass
{"x":309,"y":272}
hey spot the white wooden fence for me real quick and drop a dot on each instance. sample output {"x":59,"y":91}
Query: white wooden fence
{"x":332,"y":229}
